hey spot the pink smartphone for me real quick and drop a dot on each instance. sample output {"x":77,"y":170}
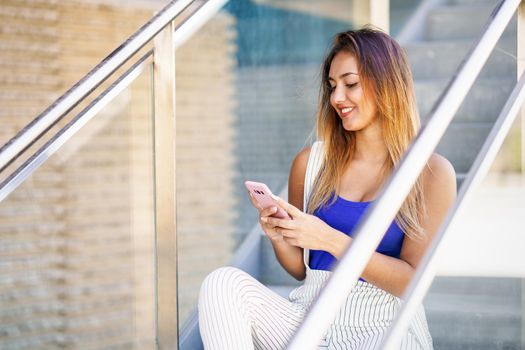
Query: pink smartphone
{"x":264,"y":197}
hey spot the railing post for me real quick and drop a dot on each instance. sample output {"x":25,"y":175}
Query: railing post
{"x":521,"y":66}
{"x":166,"y":327}
{"x":375,"y":12}
{"x":520,"y":37}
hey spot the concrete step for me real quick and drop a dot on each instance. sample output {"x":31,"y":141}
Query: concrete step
{"x":455,"y":22}
{"x":475,"y":312}
{"x":483,"y":103}
{"x":446,"y":344}
{"x":473,"y":2}
{"x":467,"y":327}
{"x":497,"y":287}
{"x":460,"y":179}
{"x":272,"y":273}
{"x":462,"y":143}
{"x":441,"y":59}
{"x":395,"y":4}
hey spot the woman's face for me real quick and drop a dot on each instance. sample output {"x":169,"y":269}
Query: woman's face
{"x":347,"y":94}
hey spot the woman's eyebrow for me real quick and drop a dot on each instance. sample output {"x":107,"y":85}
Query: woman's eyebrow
{"x":342,"y":75}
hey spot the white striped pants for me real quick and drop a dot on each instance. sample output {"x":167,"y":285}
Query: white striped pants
{"x":238,"y":312}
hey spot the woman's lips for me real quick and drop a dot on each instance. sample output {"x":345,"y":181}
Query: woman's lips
{"x":346,"y":111}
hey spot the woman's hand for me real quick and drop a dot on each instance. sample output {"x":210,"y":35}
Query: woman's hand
{"x":264,"y":214}
{"x":304,"y":230}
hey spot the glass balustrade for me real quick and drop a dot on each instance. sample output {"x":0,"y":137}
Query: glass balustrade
{"x":77,"y":237}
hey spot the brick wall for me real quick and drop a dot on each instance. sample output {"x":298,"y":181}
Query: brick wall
{"x":30,"y":227}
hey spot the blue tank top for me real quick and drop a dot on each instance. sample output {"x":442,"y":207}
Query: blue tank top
{"x":344,"y":215}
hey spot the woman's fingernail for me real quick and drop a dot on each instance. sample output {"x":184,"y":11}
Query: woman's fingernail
{"x":264,"y":219}
{"x":273,"y":210}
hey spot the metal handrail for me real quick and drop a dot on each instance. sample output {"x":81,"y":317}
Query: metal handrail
{"x":70,"y":129}
{"x":187,"y":28}
{"x":54,"y":113}
{"x":375,"y":223}
{"x":422,"y":279}
{"x":38,"y":126}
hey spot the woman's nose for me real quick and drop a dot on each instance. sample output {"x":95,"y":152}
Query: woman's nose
{"x":338,"y":95}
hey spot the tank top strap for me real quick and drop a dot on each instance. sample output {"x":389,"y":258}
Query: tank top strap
{"x":313,"y":166}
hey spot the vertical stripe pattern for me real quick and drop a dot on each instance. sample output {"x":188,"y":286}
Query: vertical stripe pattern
{"x":238,"y":312}
{"x":364,"y":317}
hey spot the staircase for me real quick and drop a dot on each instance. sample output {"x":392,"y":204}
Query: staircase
{"x":463,"y":312}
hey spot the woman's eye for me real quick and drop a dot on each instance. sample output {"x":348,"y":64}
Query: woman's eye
{"x":332,"y":88}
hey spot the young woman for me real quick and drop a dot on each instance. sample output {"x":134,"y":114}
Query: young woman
{"x":366,"y":120}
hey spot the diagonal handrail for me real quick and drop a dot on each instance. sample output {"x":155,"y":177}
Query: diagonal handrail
{"x":422,"y":279}
{"x":36,"y":128}
{"x":371,"y":229}
{"x":50,"y":147}
{"x":45,"y":120}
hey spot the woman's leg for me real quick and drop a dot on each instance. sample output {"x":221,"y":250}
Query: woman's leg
{"x":238,"y":312}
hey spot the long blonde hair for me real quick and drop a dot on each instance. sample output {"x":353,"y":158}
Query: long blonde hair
{"x":385,"y":77}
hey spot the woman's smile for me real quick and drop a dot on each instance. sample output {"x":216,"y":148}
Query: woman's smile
{"x":345,"y":112}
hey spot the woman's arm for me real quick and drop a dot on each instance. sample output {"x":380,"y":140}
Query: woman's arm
{"x":394,"y":275}
{"x":385,"y":272}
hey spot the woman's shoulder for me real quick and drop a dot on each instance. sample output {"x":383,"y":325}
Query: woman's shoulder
{"x":440,"y":167}
{"x":300,"y":161}
{"x":439,"y":175}
{"x":303,"y":154}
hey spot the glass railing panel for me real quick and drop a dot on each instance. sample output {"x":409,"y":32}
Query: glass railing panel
{"x":47,"y":46}
{"x":77,"y":237}
{"x":247,"y":87}
{"x":66,"y":119}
